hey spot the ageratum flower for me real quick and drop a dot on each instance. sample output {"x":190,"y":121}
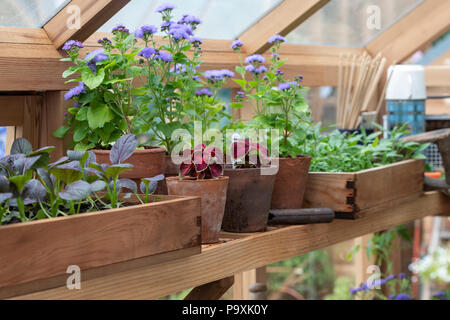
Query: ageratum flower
{"x":403,"y":296}
{"x":196,"y":41}
{"x":440,"y":295}
{"x":287,"y":85}
{"x":147,"y":52}
{"x":76,"y":91}
{"x":180,"y":31}
{"x":166,"y":25}
{"x":236,"y":44}
{"x":190,"y":19}
{"x":240,"y":95}
{"x":105,"y":43}
{"x":204,"y":92}
{"x":165,"y":7}
{"x":300,"y":78}
{"x":178,"y":68}
{"x":250,"y":68}
{"x":197,"y":78}
{"x":218,"y":75}
{"x":277,"y":39}
{"x":260,"y":70}
{"x":72,"y":45}
{"x":255,"y":59}
{"x":120,"y":28}
{"x":95,"y":56}
{"x":164,"y":56}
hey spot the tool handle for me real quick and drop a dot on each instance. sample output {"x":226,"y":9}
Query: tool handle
{"x":300,"y":216}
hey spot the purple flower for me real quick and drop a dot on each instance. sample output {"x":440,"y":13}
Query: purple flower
{"x":218,"y":75}
{"x":279,"y":73}
{"x":204,"y":92}
{"x":164,"y":56}
{"x":120,"y":28}
{"x":403,"y":296}
{"x":401,"y":275}
{"x":147,"y":52}
{"x":274,"y":54}
{"x":197,"y":78}
{"x":72,"y":45}
{"x":106,"y":43}
{"x":250,"y":68}
{"x":196,"y":41}
{"x":165,"y":7}
{"x":76,"y":91}
{"x":149,"y":29}
{"x":236,"y":44}
{"x":354,"y":291}
{"x":240,"y":94}
{"x":178,"y":31}
{"x":277,"y":39}
{"x":255,"y":58}
{"x":287,"y":85}
{"x":166,"y":25}
{"x":95,"y":56}
{"x":260,"y":69}
{"x":300,"y":78}
{"x":391,"y":297}
{"x":190,"y":19}
{"x":440,"y":295}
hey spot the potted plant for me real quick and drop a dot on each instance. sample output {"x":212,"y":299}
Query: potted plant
{"x":280,"y":105}
{"x":174,"y":95}
{"x":201,"y":175}
{"x":249,"y":192}
{"x":105,"y":107}
{"x":76,"y":211}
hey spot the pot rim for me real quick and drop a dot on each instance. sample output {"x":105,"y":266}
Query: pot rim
{"x":176,"y":178}
{"x":137,"y":151}
{"x":299,"y":156}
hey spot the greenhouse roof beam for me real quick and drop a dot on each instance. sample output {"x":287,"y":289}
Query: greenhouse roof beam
{"x":422,"y":25}
{"x":284,"y":18}
{"x":93,"y":14}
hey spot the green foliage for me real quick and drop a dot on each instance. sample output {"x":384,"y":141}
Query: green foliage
{"x":341,"y":290}
{"x":31,"y":188}
{"x":338,"y":152}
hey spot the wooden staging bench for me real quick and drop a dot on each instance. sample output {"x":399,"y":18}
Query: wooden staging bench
{"x":212,"y":270}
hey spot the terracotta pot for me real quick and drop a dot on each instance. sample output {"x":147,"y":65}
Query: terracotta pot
{"x":213,"y":193}
{"x":290,"y":182}
{"x":147,"y":162}
{"x":248,"y":200}
{"x":171,"y":170}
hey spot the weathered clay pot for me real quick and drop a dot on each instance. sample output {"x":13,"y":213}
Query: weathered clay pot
{"x":248,"y":200}
{"x":146,"y":163}
{"x":290,"y":182}
{"x":213,"y":193}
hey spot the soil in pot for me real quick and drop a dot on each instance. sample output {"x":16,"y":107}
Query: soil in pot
{"x":213,"y":193}
{"x":290,"y":182}
{"x":147,"y":162}
{"x":248,"y":200}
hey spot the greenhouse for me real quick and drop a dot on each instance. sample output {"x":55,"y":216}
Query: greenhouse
{"x":255,"y":150}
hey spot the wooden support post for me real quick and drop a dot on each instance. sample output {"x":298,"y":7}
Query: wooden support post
{"x":211,"y":291}
{"x":243,"y":281}
{"x":361,"y":260}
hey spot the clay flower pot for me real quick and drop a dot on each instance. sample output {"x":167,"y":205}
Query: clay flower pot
{"x":213,"y":193}
{"x":290,"y":182}
{"x":248,"y":200}
{"x":146,"y":163}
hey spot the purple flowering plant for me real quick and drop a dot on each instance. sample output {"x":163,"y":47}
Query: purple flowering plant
{"x":175,"y":93}
{"x":279,"y":103}
{"x":104,"y":108}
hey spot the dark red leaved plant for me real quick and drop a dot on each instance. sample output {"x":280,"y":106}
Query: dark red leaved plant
{"x":202,"y":163}
{"x":248,"y":154}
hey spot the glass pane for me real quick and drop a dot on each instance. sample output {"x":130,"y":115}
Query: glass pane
{"x":351,"y":23}
{"x":29,"y":13}
{"x":221,"y":19}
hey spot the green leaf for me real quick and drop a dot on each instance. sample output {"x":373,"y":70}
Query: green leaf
{"x":138,"y":91}
{"x":61,"y":131}
{"x":240,"y":82}
{"x":79,"y":133}
{"x":92,"y":80}
{"x":82,"y":114}
{"x":98,"y":114}
{"x":80,"y":146}
{"x":69,"y":72}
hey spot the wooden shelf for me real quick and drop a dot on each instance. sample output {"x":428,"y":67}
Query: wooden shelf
{"x":241,"y":252}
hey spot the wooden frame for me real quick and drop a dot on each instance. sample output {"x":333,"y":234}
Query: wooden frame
{"x":422,"y":25}
{"x":349,"y":194}
{"x":281,"y":20}
{"x":437,"y":76}
{"x":45,"y":248}
{"x":246,"y":252}
{"x":93,"y":14}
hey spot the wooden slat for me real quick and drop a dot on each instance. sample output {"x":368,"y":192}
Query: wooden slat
{"x":24,"y":35}
{"x":11,"y":110}
{"x":211,"y":291}
{"x":437,"y":76}
{"x":422,"y":25}
{"x":223,"y":260}
{"x":94,"y":13}
{"x":96,"y":239}
{"x":281,"y":20}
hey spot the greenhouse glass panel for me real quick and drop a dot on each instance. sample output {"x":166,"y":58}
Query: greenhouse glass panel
{"x":221,"y":19}
{"x":352,"y":23}
{"x":29,"y":13}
